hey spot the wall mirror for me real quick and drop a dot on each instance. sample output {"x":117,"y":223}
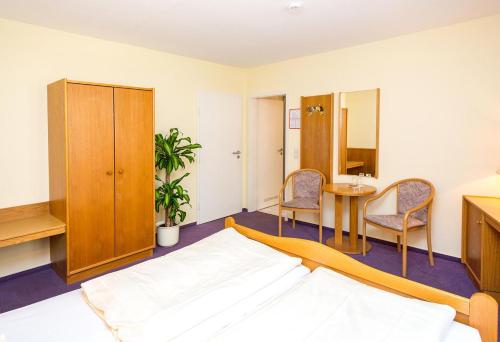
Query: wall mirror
{"x":358,"y":136}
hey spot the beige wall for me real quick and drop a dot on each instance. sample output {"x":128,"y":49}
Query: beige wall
{"x":32,"y":56}
{"x":439,"y":116}
{"x":440,"y":109}
{"x":362,"y":118}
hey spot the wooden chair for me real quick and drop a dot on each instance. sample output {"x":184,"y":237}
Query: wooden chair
{"x":414,"y":209}
{"x":307,"y":195}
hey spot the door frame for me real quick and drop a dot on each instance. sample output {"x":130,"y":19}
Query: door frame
{"x":251,"y":181}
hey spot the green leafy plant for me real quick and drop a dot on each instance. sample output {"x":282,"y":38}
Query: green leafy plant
{"x":172,"y":151}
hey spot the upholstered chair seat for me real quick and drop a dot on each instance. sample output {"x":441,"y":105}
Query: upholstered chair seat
{"x":394,"y":221}
{"x":302,"y":203}
{"x":414,"y":205}
{"x":306,"y":195}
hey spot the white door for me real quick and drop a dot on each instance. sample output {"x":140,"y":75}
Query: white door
{"x":220,"y":164}
{"x":269,"y":151}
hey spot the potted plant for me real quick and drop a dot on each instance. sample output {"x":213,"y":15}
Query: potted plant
{"x":171,"y":153}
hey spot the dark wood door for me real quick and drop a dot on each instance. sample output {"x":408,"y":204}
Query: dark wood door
{"x":134,"y":162}
{"x":316,"y":135}
{"x":91,"y":175}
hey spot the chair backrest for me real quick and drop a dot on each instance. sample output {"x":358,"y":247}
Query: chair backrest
{"x":307,"y":183}
{"x":413,"y":192}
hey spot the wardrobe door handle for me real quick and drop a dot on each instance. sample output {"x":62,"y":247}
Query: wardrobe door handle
{"x":109,"y":173}
{"x":120,"y":171}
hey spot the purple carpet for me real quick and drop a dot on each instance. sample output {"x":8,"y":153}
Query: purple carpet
{"x":32,"y":286}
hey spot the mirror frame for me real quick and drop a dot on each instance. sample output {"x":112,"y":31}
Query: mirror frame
{"x":377,"y":149}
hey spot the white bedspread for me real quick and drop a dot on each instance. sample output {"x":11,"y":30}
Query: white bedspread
{"x":161,"y":298}
{"x":53,"y":319}
{"x":326,"y":306}
{"x":245,"y":307}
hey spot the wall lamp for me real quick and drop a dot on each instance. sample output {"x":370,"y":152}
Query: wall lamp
{"x":315,"y":109}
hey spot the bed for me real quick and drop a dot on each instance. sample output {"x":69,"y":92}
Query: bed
{"x":70,"y":317}
{"x":479,"y":312}
{"x":53,"y":319}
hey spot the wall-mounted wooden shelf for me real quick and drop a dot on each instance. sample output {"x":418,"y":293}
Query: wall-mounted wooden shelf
{"x":33,"y":228}
{"x":27,"y":223}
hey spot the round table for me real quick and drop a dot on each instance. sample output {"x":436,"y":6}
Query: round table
{"x":351,"y":244}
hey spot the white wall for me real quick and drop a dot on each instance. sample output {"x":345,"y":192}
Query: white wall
{"x":439,"y":112}
{"x":32,"y":56}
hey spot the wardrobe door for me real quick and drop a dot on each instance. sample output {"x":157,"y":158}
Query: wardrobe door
{"x":91,"y":174}
{"x":134,"y":162}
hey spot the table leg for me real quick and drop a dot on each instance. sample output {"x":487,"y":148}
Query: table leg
{"x":338,"y":220}
{"x":353,"y":223}
{"x":347,"y":244}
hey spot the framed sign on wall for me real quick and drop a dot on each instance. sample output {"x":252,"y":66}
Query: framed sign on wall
{"x":294,"y":118}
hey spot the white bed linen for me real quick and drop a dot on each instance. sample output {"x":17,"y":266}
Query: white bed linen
{"x":68,"y":318}
{"x":459,"y":332}
{"x":64,"y":318}
{"x":161,"y":298}
{"x":327,"y":306}
{"x":245,"y":307}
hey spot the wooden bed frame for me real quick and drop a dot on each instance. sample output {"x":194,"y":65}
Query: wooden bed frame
{"x":480,"y":311}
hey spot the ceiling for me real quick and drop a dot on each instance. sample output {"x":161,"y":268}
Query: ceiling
{"x":245,"y":32}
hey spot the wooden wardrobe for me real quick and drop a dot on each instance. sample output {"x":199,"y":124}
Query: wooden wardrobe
{"x":101,"y":170}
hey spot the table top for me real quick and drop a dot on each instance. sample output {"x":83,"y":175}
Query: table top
{"x":346,"y":189}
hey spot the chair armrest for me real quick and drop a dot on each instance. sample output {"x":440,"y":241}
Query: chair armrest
{"x":376,"y":197}
{"x":320,"y":196}
{"x":422,"y":205}
{"x":280,"y":194}
{"x":283,"y":188}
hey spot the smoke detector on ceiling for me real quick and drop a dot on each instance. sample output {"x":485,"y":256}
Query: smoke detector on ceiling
{"x":294,"y":6}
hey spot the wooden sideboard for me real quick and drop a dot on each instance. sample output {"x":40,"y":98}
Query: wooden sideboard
{"x":481,"y":242}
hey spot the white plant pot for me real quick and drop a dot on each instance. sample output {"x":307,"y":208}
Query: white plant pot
{"x":167,"y":236}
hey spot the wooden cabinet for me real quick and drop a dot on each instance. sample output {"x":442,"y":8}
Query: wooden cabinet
{"x":101,"y":156}
{"x":481,"y":242}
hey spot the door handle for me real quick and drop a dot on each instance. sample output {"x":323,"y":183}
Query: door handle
{"x":280,"y":151}
{"x":236,"y":152}
{"x":120,"y":171}
{"x":109,"y":173}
